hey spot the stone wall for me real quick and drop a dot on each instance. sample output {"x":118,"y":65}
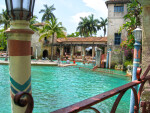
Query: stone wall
{"x":146,"y":44}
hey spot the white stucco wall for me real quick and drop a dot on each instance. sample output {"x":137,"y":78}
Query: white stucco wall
{"x":35,"y":42}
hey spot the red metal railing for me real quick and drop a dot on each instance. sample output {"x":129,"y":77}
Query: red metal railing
{"x":88,"y":103}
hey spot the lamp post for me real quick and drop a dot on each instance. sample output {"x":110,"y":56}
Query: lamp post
{"x":137,"y":53}
{"x":19,"y":48}
{"x":36,"y":52}
{"x":110,"y":46}
{"x":107,"y":60}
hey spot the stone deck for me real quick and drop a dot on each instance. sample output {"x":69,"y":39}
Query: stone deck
{"x":35,"y":63}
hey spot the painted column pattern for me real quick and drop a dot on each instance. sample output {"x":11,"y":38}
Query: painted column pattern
{"x":19,"y":46}
{"x":136,"y":62}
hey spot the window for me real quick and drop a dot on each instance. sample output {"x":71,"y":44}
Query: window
{"x":117,"y":38}
{"x":118,"y":8}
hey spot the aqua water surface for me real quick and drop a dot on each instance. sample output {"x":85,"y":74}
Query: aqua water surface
{"x":57,"y":87}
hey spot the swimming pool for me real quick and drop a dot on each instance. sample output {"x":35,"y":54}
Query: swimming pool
{"x":57,"y":87}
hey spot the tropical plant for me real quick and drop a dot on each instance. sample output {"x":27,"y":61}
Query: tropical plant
{"x":4,"y":19}
{"x":48,"y":12}
{"x":76,"y":34}
{"x":87,"y":26}
{"x":3,"y":40}
{"x":92,"y":24}
{"x":103,"y":24}
{"x":132,"y":19}
{"x":51,"y":28}
{"x":32,"y":22}
{"x":83,"y":27}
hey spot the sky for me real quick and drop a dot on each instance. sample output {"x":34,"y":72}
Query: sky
{"x":69,"y":11}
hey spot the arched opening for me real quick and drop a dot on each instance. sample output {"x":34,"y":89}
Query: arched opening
{"x":45,"y":54}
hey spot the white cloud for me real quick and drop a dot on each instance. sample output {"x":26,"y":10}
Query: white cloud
{"x":76,"y":18}
{"x":98,"y":5}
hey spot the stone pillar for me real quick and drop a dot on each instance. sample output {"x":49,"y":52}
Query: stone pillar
{"x":72,"y":52}
{"x":19,"y":46}
{"x":146,"y":44}
{"x":105,"y":50}
{"x":98,"y":57}
{"x":83,"y":53}
{"x":93,"y":51}
{"x":61,"y":52}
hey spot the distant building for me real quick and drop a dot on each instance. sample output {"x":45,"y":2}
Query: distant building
{"x":117,"y":9}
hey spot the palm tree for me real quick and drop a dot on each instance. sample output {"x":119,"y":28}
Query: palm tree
{"x":32,"y":22}
{"x":48,"y":13}
{"x":51,"y":28}
{"x":92,"y":24}
{"x":83,"y":27}
{"x":4,"y":19}
{"x":103,"y":24}
{"x":87,"y":26}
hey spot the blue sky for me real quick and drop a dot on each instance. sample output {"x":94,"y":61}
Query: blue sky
{"x":70,"y":11}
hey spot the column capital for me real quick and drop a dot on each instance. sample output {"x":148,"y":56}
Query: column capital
{"x":144,"y":2}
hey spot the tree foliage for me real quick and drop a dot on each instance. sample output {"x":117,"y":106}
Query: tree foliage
{"x":32,"y":22}
{"x":87,"y":26}
{"x":76,"y":34}
{"x":132,"y":19}
{"x":48,"y":12}
{"x":103,"y":24}
{"x":3,"y":40}
{"x":4,"y":19}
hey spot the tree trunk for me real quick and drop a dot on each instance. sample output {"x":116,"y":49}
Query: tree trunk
{"x":52,"y":48}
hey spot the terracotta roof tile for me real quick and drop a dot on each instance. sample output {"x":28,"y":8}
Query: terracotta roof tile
{"x":117,"y":2}
{"x":85,"y":39}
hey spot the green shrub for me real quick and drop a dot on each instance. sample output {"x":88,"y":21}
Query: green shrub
{"x":113,"y":64}
{"x":128,"y":62}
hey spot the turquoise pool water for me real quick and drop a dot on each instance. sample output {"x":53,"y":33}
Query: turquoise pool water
{"x":57,"y":87}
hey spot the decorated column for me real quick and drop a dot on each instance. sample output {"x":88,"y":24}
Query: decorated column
{"x":98,"y":57}
{"x":137,"y":53}
{"x":19,"y":48}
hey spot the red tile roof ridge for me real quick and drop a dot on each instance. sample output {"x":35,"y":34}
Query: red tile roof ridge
{"x":83,"y":39}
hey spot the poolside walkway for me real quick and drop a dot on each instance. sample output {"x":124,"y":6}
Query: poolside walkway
{"x":34,"y":62}
{"x":41,"y":63}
